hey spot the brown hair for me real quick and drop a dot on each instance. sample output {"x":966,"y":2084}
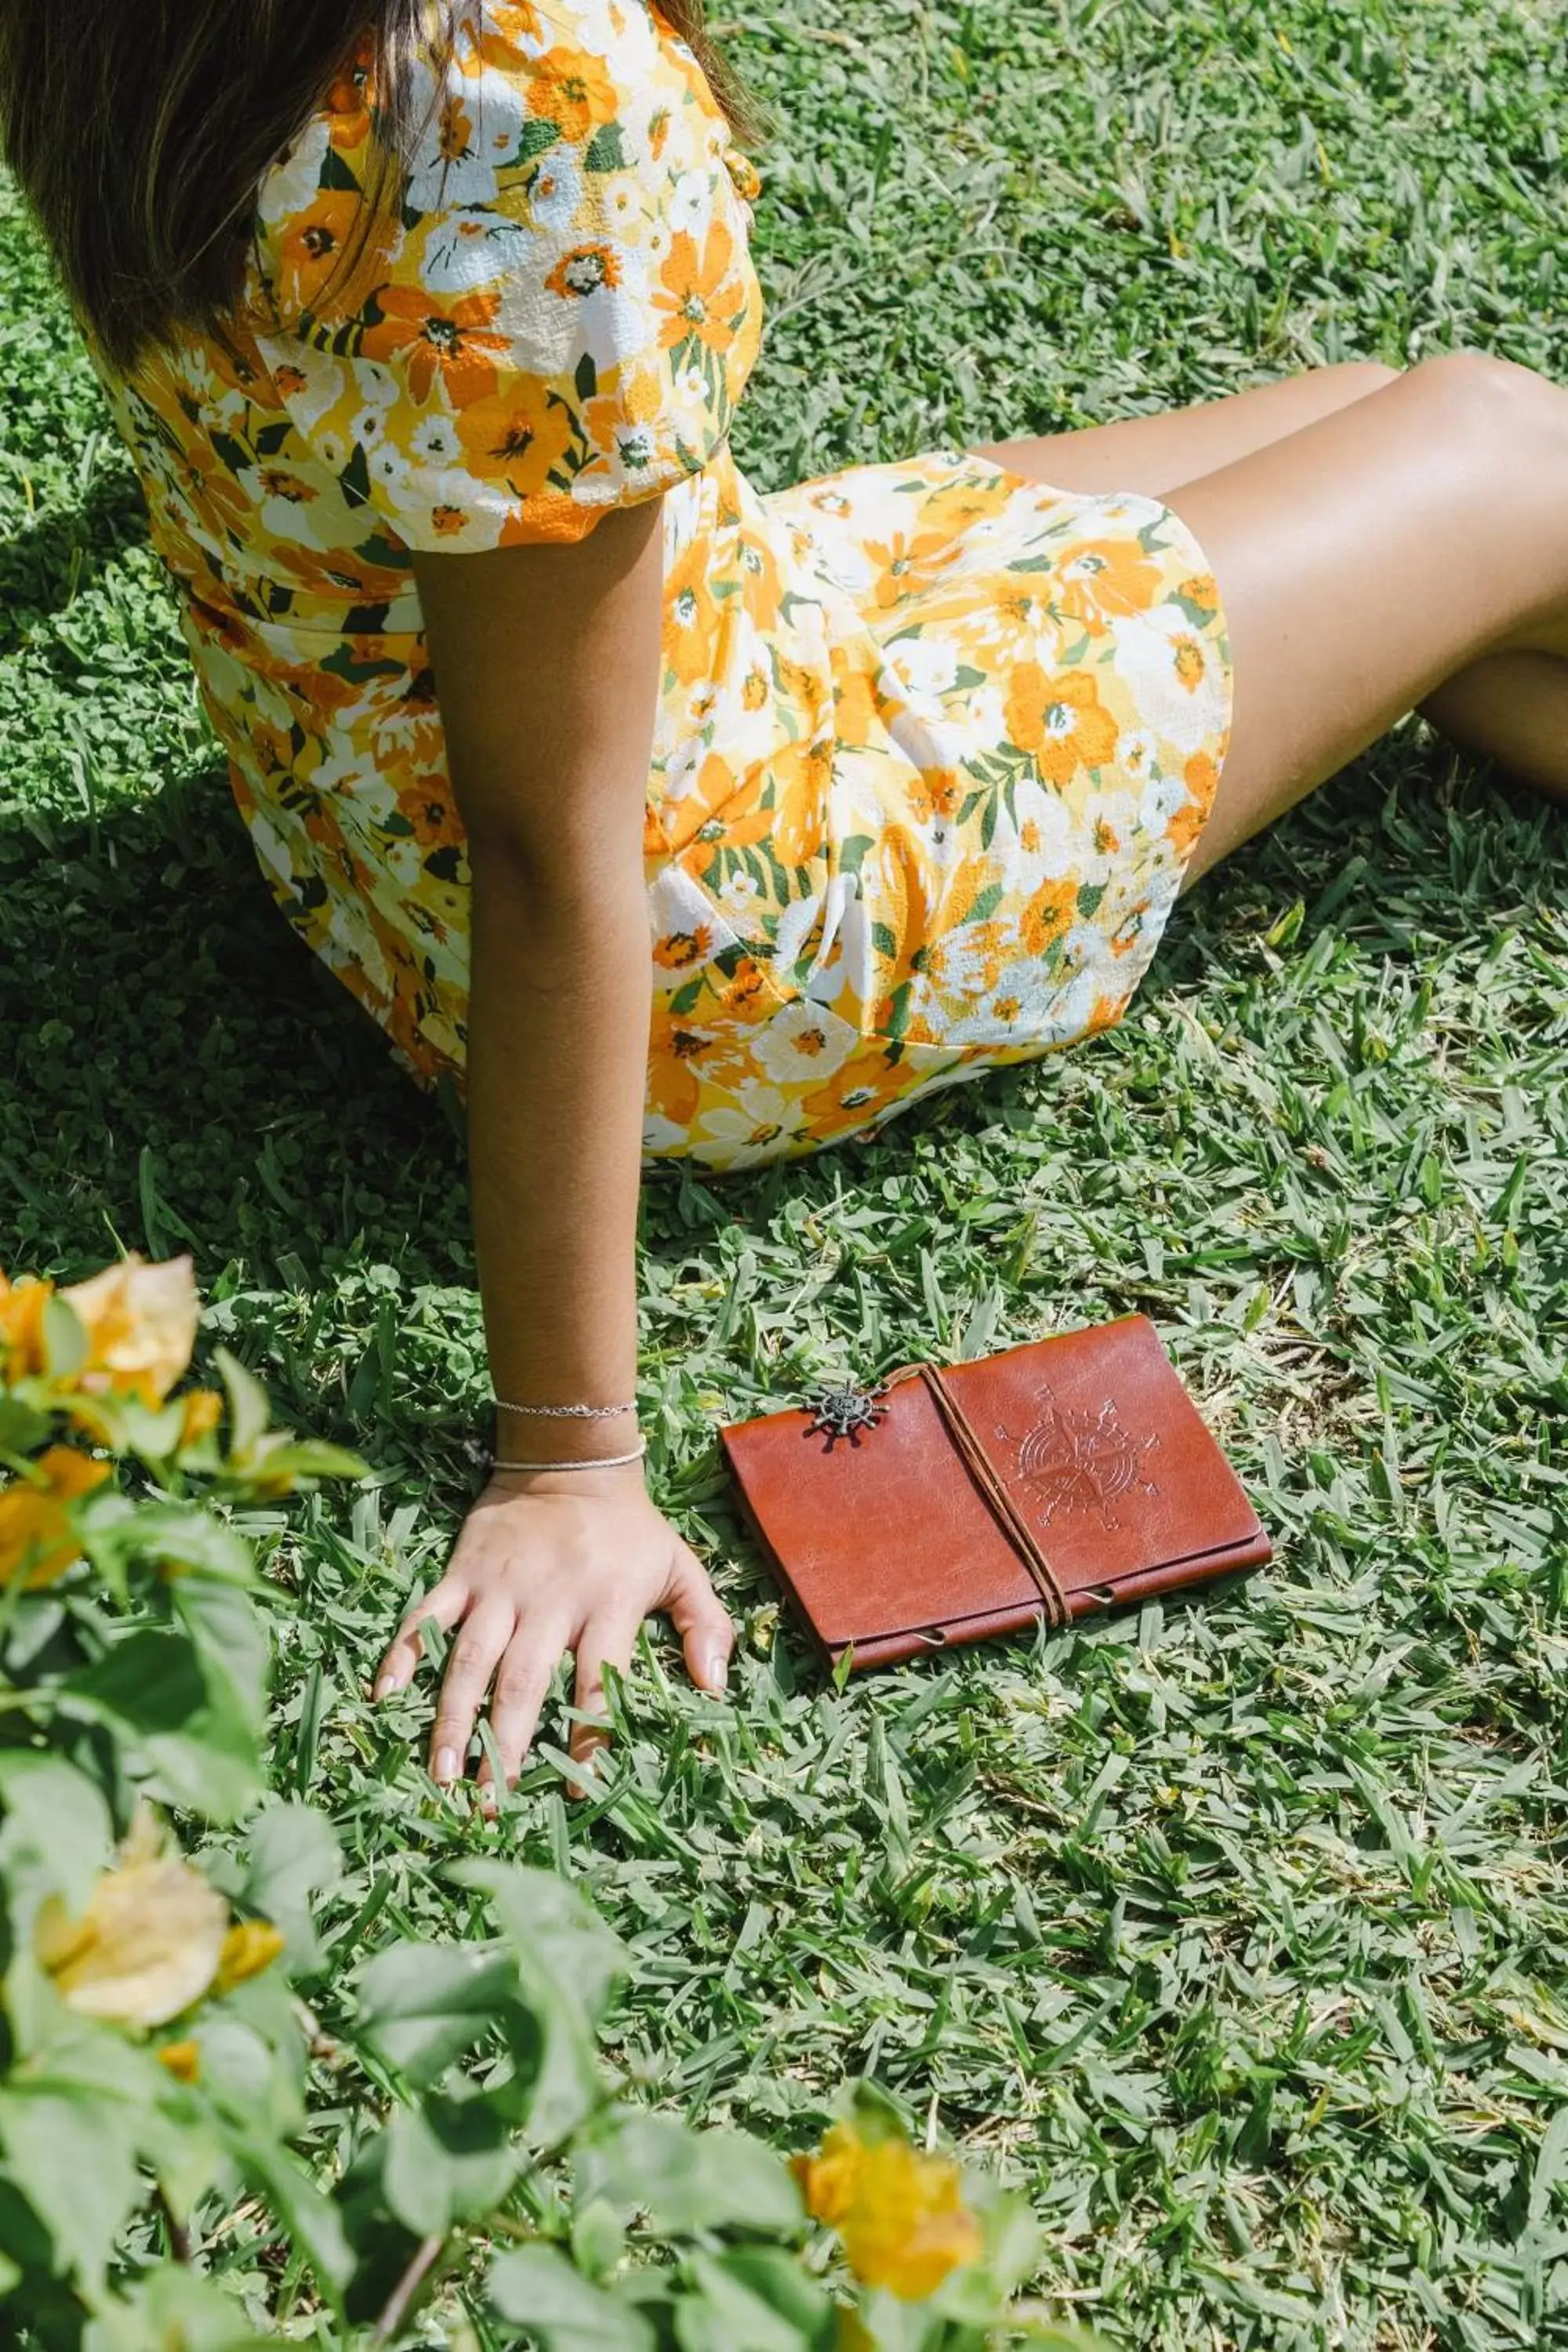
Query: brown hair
{"x":140,"y":130}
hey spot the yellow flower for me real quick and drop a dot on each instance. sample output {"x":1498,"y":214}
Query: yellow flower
{"x":37,"y":1537}
{"x":900,"y":2215}
{"x":829,"y":2180}
{"x":22,"y":1306}
{"x":182,"y":2059}
{"x":852,"y":2336}
{"x":201,"y":1411}
{"x":149,"y":1943}
{"x":141,"y":1324}
{"x":247,"y":1950}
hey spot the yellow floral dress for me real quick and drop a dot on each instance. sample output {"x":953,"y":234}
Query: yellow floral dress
{"x":933,"y":742}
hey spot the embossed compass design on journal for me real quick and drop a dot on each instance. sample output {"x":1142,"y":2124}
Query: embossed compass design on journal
{"x":1073,"y":1459}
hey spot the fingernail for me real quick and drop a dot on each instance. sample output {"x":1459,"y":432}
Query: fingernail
{"x":387,"y":1685}
{"x":715,"y":1670}
{"x":446,"y":1764}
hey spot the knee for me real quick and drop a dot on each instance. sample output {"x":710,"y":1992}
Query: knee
{"x":1363,"y":376}
{"x":1482,"y":398}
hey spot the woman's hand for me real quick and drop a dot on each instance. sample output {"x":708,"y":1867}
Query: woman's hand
{"x":545,"y":1564}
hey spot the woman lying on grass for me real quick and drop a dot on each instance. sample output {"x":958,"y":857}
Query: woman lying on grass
{"x":666,"y":816}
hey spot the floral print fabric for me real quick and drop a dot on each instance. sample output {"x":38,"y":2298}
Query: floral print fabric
{"x":562,"y":314}
{"x":933,"y":742}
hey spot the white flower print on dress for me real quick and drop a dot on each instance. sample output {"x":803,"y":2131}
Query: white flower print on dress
{"x":475,"y":124}
{"x":687,"y":928}
{"x":805,"y":1041}
{"x":555,"y":189}
{"x":1180,"y":684}
{"x":434,"y":440}
{"x":926,"y":665}
{"x":469,"y":250}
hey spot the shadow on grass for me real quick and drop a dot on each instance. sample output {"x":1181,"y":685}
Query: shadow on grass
{"x":43,"y":567}
{"x":177,"y":1071}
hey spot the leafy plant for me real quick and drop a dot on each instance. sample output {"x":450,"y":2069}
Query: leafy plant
{"x":155,"y":2063}
{"x":1244,"y":1928}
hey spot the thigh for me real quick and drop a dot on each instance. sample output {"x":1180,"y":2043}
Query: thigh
{"x":1369,"y":558}
{"x":1155,"y":454}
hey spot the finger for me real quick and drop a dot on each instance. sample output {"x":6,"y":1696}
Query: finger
{"x":472,"y":1662}
{"x":608,"y":1641}
{"x":706,"y":1634}
{"x":446,"y":1604}
{"x":523,"y":1685}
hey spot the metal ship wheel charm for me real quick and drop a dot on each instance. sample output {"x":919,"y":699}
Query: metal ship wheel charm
{"x":842,"y":1412}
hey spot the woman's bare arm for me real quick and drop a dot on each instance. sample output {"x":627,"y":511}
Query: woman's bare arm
{"x":546,"y":661}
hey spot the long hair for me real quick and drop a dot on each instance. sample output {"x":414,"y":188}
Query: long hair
{"x":140,"y":130}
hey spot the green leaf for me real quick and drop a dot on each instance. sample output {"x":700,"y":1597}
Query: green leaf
{"x":65,"y":1339}
{"x":605,"y":152}
{"x":150,"y":1690}
{"x":24,"y":2239}
{"x":249,"y":1413}
{"x":537,"y":2288}
{"x":57,"y":1833}
{"x":294,"y":1854}
{"x":338,"y":172}
{"x":149,"y":1682}
{"x":598,"y":2239}
{"x":781,"y":2281}
{"x":567,"y":1963}
{"x":251,"y":2076}
{"x":182,"y":1535}
{"x":551,"y":1928}
{"x":421,"y":2006}
{"x":173,"y":2310}
{"x":77,"y":2154}
{"x":1012,"y":2242}
{"x":230,"y":1643}
{"x":280,"y":1462}
{"x":737,"y":2309}
{"x":536,"y":137}
{"x":687,"y":2180}
{"x":311,"y":2219}
{"x":447,"y":2160}
{"x":23,"y":1428}
{"x":1551,"y":2164}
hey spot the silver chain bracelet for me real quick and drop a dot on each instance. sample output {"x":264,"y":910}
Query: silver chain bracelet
{"x":594,"y":1462}
{"x":567,"y":1412}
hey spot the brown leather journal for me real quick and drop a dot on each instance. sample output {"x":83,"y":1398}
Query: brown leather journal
{"x":957,"y":1501}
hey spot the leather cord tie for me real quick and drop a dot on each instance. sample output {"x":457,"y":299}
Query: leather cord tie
{"x":977,"y":1462}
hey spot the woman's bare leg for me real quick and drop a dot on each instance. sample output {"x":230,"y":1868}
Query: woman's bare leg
{"x":1412,"y":543}
{"x":1155,"y":454}
{"x":1405,"y":544}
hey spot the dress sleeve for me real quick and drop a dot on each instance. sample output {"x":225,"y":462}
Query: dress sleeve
{"x":556,"y":315}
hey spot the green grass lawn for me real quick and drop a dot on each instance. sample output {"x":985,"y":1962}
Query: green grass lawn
{"x":1237,"y":1931}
